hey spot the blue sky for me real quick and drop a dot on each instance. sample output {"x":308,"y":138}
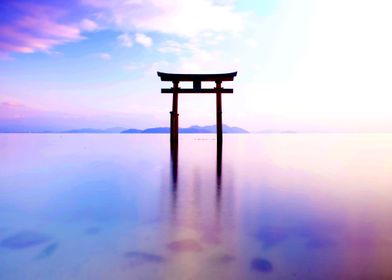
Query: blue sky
{"x":302,"y":65}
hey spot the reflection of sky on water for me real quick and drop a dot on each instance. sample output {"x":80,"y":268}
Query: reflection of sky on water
{"x":120,"y":206}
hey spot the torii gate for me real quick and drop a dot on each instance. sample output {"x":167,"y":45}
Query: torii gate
{"x":197,"y":79}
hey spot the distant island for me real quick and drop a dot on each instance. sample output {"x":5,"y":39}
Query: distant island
{"x":152,"y":130}
{"x":156,"y":130}
{"x":191,"y":129}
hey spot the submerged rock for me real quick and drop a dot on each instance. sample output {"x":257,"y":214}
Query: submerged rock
{"x":262,"y":265}
{"x":137,"y":257}
{"x":24,"y":239}
{"x":272,"y":236}
{"x":187,"y":245}
{"x":48,"y":251}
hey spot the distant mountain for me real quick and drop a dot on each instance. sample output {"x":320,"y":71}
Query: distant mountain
{"x":132,"y":130}
{"x":191,"y":129}
{"x":212,"y":129}
{"x":156,"y":130}
{"x":196,"y":129}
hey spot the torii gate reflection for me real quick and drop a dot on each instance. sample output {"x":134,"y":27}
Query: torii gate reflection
{"x":197,"y":79}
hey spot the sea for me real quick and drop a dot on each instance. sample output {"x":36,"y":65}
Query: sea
{"x":132,"y":206}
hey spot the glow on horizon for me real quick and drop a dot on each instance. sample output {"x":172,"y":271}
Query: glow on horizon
{"x":309,"y":65}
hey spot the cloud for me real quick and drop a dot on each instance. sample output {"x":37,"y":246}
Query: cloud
{"x":186,"y":18}
{"x":104,"y":56}
{"x":16,"y":117}
{"x":88,"y":25}
{"x":143,"y":40}
{"x":194,"y":56}
{"x":36,"y":29}
{"x":176,"y":47}
{"x":125,"y":40}
{"x":12,"y":110}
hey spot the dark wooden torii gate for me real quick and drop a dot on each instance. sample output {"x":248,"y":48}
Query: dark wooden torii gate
{"x":197,"y":79}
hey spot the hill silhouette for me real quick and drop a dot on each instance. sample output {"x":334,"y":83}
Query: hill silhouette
{"x":191,"y":129}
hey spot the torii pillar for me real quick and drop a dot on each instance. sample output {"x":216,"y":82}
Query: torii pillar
{"x":197,"y":79}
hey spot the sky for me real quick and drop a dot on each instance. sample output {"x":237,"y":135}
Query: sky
{"x":304,"y":65}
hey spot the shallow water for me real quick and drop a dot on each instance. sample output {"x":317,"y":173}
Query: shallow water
{"x":289,"y":206}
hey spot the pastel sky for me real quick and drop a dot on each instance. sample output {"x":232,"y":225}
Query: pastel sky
{"x":308,"y":65}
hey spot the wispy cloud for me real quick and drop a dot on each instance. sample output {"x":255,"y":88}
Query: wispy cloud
{"x":125,"y":40}
{"x":17,"y":117}
{"x":143,"y":40}
{"x":41,"y":27}
{"x":196,"y":56}
{"x":38,"y":28}
{"x":88,"y":25}
{"x":104,"y":56}
{"x":180,"y":17}
{"x":178,"y":47}
{"x":13,"y":110}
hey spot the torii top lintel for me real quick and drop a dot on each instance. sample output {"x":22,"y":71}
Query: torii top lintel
{"x":197,"y":79}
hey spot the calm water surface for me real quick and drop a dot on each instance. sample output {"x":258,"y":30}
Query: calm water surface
{"x":292,"y":206}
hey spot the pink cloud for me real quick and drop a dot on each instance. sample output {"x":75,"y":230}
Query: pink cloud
{"x":88,"y":25}
{"x":11,"y":110}
{"x":38,"y":28}
{"x":180,"y":17}
{"x":17,"y":117}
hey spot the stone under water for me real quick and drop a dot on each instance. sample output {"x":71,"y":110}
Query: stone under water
{"x":137,"y":257}
{"x":48,"y":251}
{"x":262,"y":265}
{"x":24,"y":239}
